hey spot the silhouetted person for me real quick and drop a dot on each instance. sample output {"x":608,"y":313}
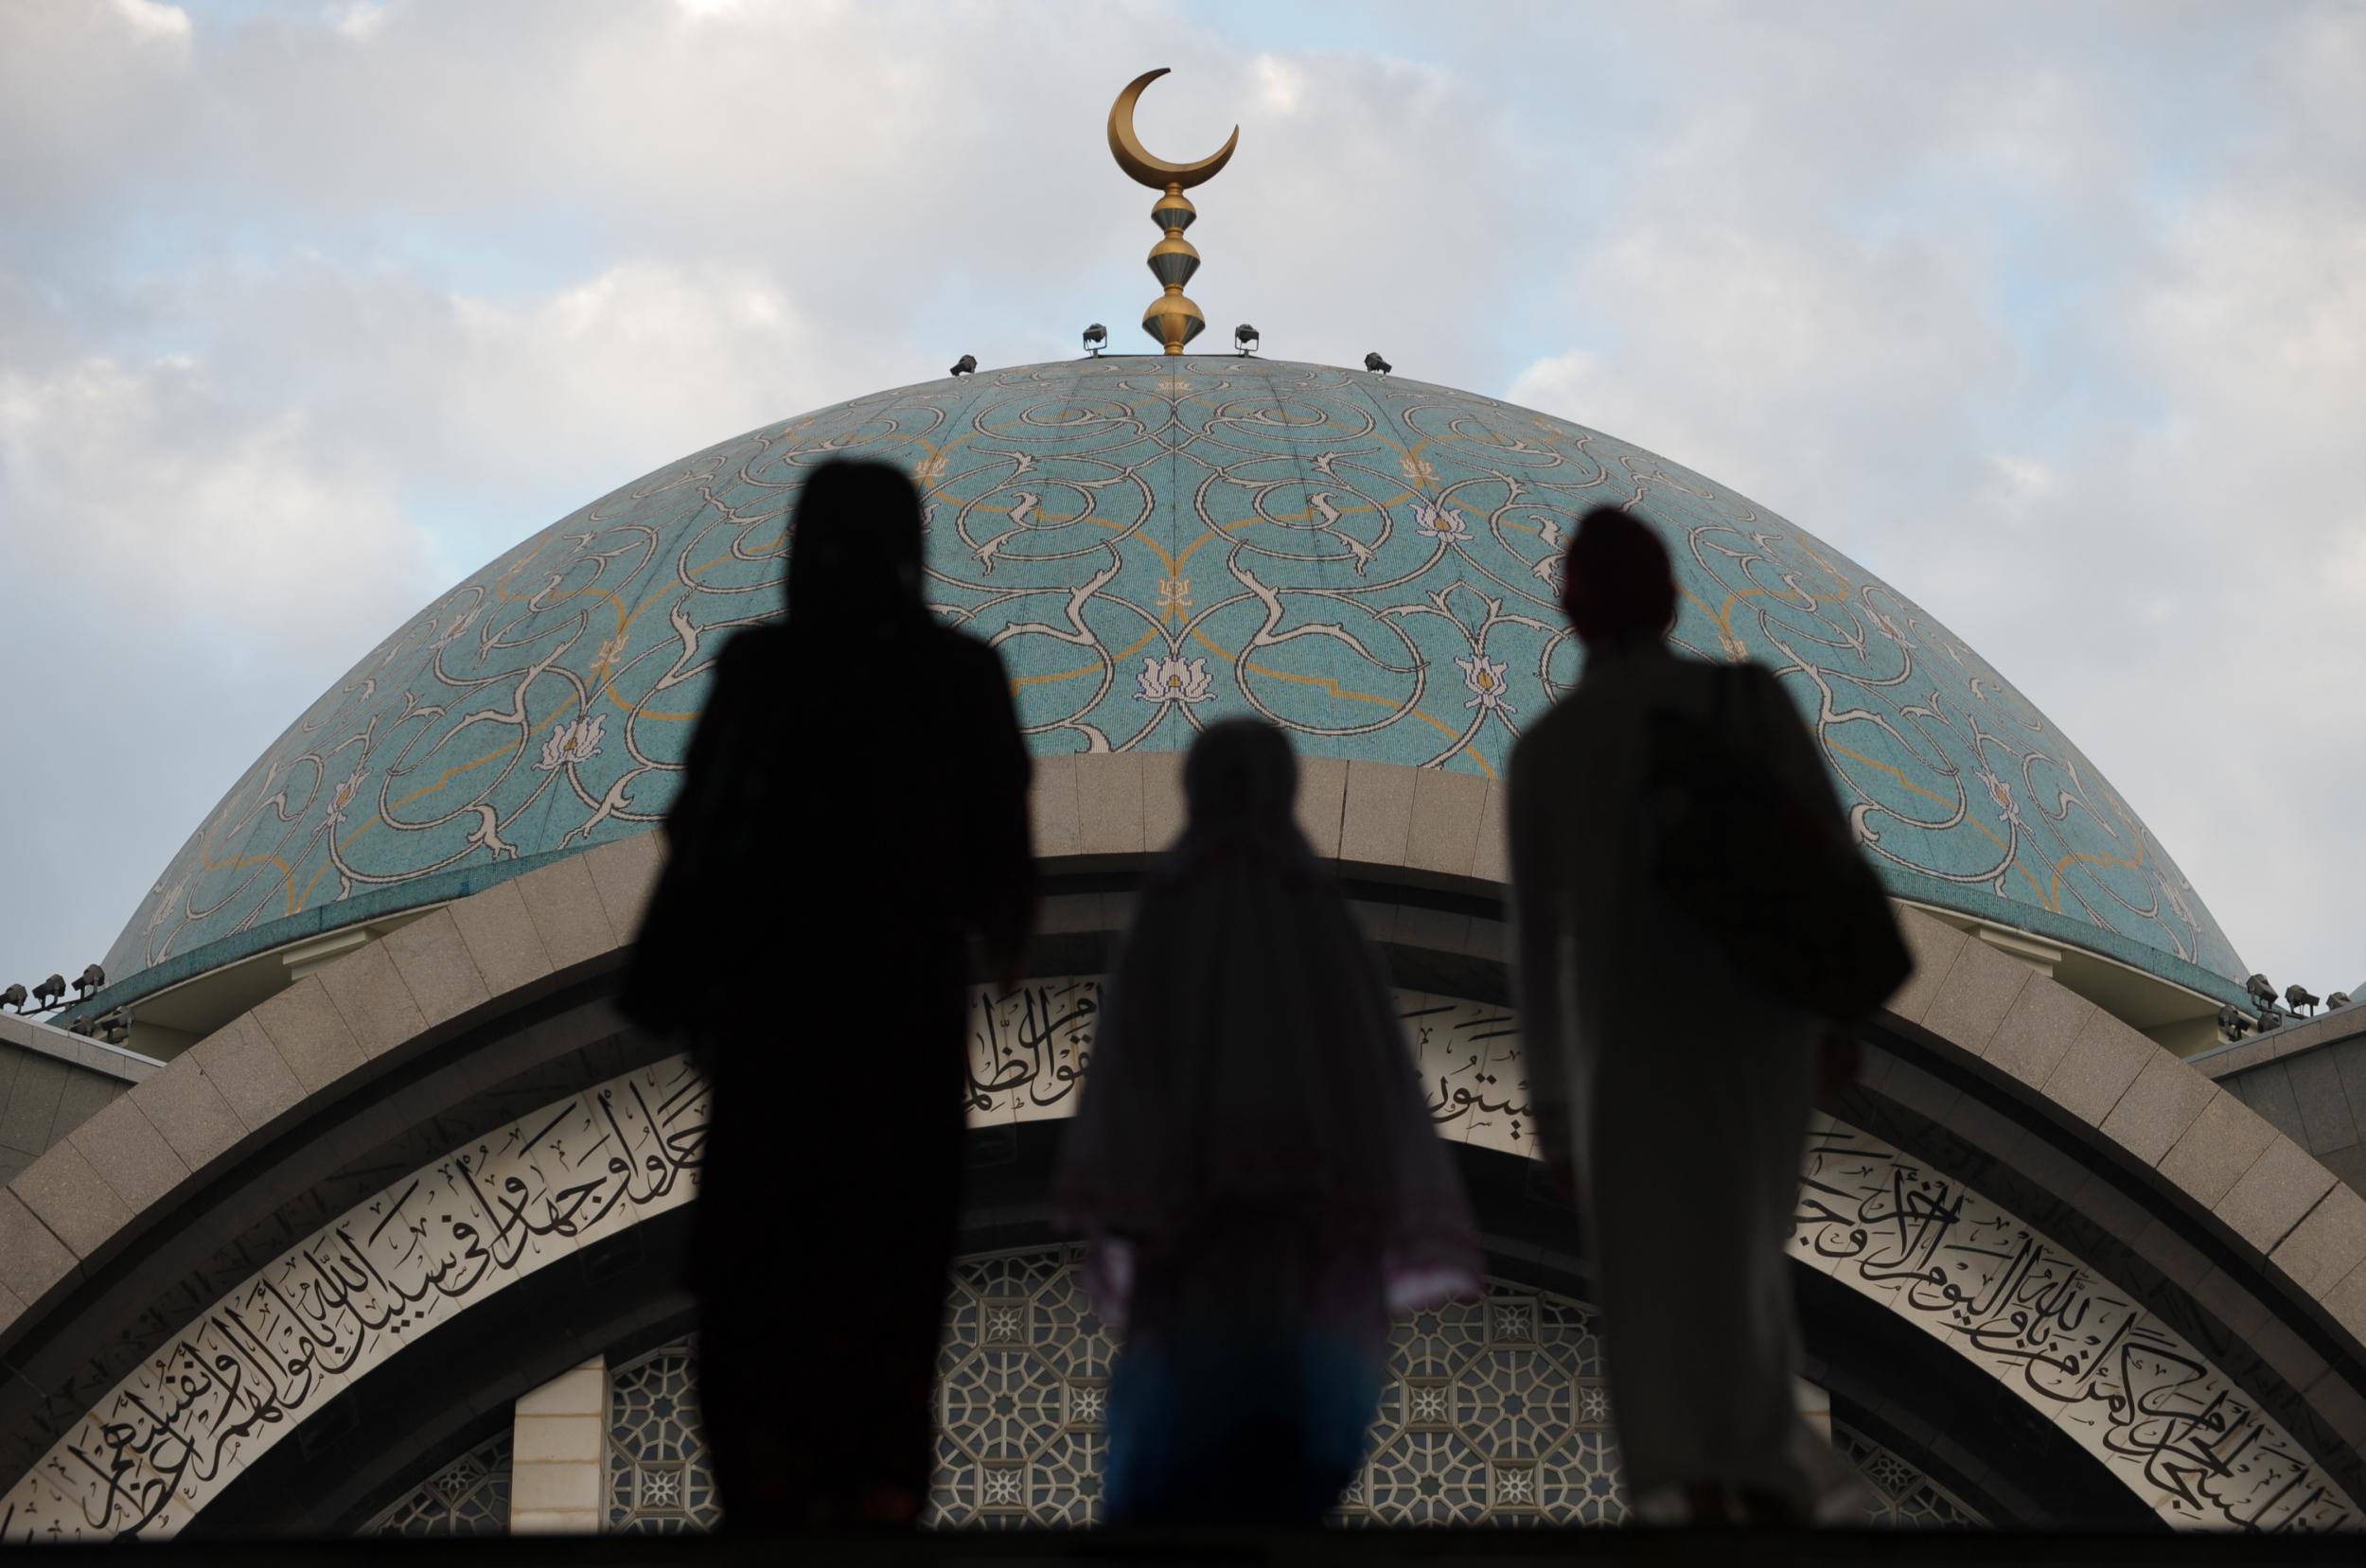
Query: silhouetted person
{"x":1684,"y":1130}
{"x":1253,"y":1166}
{"x":853,"y":810}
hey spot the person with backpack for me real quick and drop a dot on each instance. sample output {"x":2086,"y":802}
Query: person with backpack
{"x":1673,"y":831}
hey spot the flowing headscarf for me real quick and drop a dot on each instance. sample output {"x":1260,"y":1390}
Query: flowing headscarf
{"x":1250,"y":1056}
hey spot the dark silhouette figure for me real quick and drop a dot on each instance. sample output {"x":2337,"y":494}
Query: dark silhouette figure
{"x":1253,"y":1166}
{"x":1682,"y":1134}
{"x":853,"y":811}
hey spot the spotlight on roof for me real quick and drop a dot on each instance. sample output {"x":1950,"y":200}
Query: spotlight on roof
{"x":2338,"y":1000}
{"x":1244,"y":338}
{"x":2299,"y":1000}
{"x":965,"y":365}
{"x":2262,"y":989}
{"x":1096,"y":339}
{"x":114,"y":1026}
{"x":2269,"y":1018}
{"x":15,"y":997}
{"x":92,"y":978}
{"x":49,"y":993}
{"x":2232,"y":1023}
{"x":1377,"y":365}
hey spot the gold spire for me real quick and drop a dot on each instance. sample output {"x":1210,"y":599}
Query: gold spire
{"x":1172,"y":319}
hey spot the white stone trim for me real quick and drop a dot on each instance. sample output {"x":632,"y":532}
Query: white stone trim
{"x":558,"y":1454}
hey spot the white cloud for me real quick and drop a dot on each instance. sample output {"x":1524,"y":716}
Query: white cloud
{"x":1997,"y":299}
{"x":124,"y":483}
{"x":153,"y":22}
{"x":2083,"y":382}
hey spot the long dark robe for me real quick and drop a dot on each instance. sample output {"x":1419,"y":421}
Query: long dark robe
{"x":854,"y":810}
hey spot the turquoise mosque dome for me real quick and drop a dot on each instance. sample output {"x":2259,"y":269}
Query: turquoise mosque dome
{"x":1152,"y":544}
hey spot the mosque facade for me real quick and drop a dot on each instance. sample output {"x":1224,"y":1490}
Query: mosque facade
{"x":373,"y":1222}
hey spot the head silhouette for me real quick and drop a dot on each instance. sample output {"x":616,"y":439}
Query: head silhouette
{"x":1241,"y":774}
{"x":853,"y":559}
{"x":1616,"y":585}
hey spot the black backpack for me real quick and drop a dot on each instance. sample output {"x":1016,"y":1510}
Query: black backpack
{"x":1778,"y":881}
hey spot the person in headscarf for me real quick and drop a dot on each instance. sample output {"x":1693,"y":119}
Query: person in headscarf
{"x":1253,"y":1166}
{"x":852,"y":813}
{"x":1682,"y":1134}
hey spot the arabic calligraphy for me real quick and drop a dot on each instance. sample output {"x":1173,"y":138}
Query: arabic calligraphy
{"x":1029,"y":1048}
{"x":2079,"y":1350}
{"x":240,"y":1377}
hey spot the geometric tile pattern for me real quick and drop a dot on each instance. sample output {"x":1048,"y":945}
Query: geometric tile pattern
{"x":468,"y":1496}
{"x":1493,"y":1413}
{"x":1152,"y":544}
{"x":660,"y":1479}
{"x":1905,"y":1495}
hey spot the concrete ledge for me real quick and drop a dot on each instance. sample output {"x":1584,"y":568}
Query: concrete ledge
{"x":2097,"y":1070}
{"x":1051,"y":807}
{"x":500,"y":940}
{"x":130,"y":1155}
{"x":563,"y":904}
{"x":1441,"y":834}
{"x":1934,"y":945}
{"x":2294,"y":1037}
{"x":2270,"y":1198}
{"x":2327,"y":1244}
{"x":1975,"y":996}
{"x":128,"y":1067}
{"x":1109,"y":804}
{"x":431,"y":958}
{"x":2212,"y":1155}
{"x":70,"y":1197}
{"x":189,"y":1109}
{"x":1378,"y":819}
{"x":624,"y":872}
{"x":304,"y":1025}
{"x":32,"y":1261}
{"x":378,"y":1009}
{"x":2037,"y":1030}
{"x":2159,"y":1103}
{"x":1322,"y":802}
{"x":244,"y":1065}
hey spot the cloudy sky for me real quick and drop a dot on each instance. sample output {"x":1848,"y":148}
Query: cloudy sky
{"x":2054,"y":316}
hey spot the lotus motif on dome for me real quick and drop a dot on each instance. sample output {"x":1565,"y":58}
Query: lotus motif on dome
{"x":1172,"y":680}
{"x":572,"y":744}
{"x":1485,"y":678}
{"x":1441,"y":522}
{"x":342,"y":799}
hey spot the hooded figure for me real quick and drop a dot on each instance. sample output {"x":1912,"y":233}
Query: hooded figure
{"x":1253,"y":1166}
{"x":853,"y":811}
{"x":1683,"y":1133}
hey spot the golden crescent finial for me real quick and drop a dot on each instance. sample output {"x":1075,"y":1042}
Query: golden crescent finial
{"x":1134,"y":158}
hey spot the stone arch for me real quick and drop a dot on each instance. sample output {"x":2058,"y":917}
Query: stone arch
{"x":2291,"y":1243}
